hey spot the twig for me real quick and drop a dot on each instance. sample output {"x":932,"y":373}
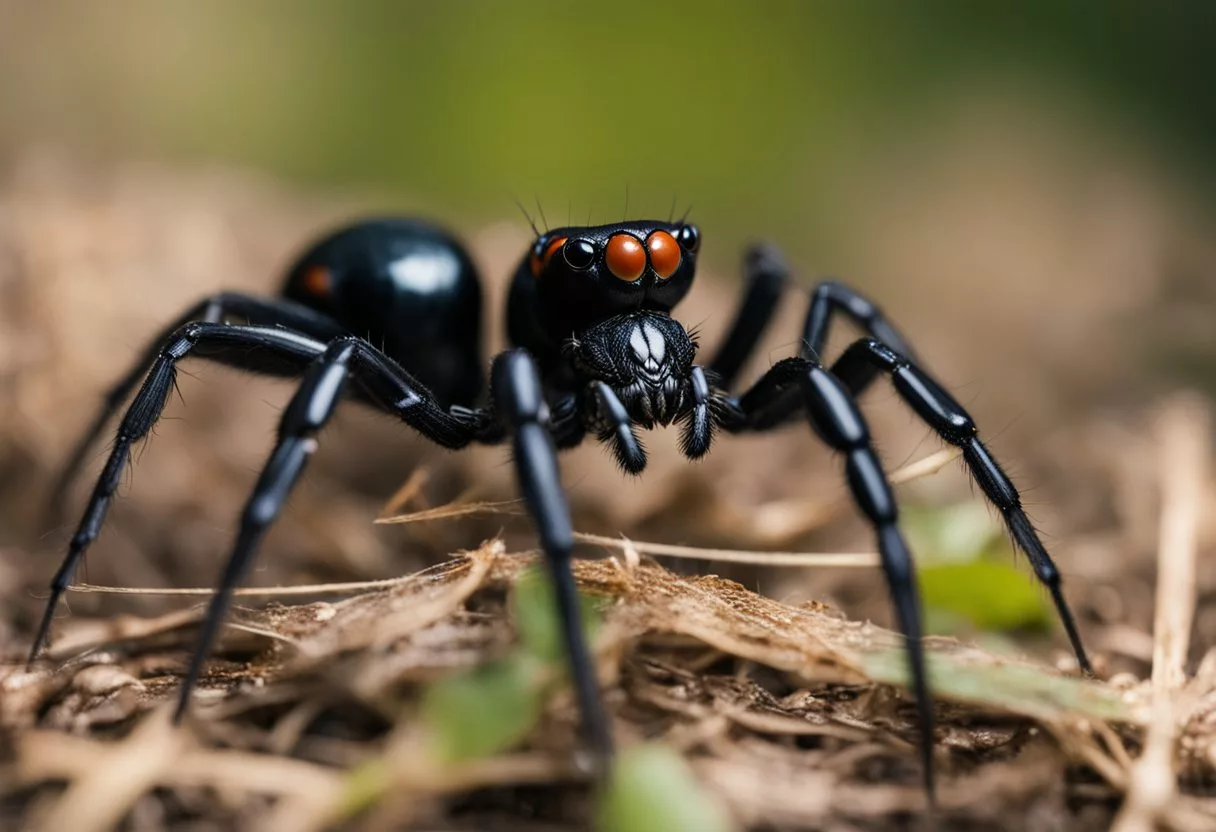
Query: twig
{"x":249,"y":591}
{"x":1184,"y":452}
{"x":734,"y":555}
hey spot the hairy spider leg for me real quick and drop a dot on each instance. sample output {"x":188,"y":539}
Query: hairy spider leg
{"x":617,"y":431}
{"x":266,"y":350}
{"x":888,"y":351}
{"x":219,"y":307}
{"x":835,"y":417}
{"x":947,"y":418}
{"x":310,"y":409}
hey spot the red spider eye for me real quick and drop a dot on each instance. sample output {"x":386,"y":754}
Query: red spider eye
{"x":318,"y":281}
{"x":538,"y":263}
{"x":664,"y":253}
{"x":626,"y":257}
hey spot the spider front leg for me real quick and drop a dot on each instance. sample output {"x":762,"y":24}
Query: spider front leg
{"x":941,"y":412}
{"x":520,"y":402}
{"x":833,"y":415}
{"x":615,"y":428}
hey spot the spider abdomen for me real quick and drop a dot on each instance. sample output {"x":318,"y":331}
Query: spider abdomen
{"x":406,"y":286}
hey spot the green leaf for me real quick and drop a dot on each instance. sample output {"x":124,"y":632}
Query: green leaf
{"x":959,"y":533}
{"x":484,"y":711}
{"x":363,"y":787}
{"x":969,"y":574}
{"x":652,"y":790}
{"x":1012,"y":686}
{"x":534,"y":607}
{"x":989,"y":594}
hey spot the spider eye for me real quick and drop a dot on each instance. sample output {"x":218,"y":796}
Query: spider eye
{"x":578,"y":254}
{"x":689,"y":237}
{"x":541,"y":257}
{"x":664,"y":253}
{"x":626,"y":257}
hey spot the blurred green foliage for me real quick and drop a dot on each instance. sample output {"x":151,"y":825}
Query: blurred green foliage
{"x":969,"y":576}
{"x":456,"y":107}
{"x":486,"y":710}
{"x":653,"y":790}
{"x":492,"y":708}
{"x":533,"y":606}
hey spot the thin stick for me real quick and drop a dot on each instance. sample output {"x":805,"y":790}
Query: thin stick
{"x":734,"y":555}
{"x":915,"y":470}
{"x":786,"y":519}
{"x":1183,"y":465}
{"x":456,"y":509}
{"x":247,"y":591}
{"x":926,"y":466}
{"x":410,"y":489}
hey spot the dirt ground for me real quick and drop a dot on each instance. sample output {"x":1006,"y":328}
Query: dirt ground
{"x":1065,"y":339}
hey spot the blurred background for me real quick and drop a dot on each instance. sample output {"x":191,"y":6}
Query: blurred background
{"x":771,"y":119}
{"x":1027,"y":190}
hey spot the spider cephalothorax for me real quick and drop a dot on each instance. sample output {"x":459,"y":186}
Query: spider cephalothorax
{"x":394,"y":306}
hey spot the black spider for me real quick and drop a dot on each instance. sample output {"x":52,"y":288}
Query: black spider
{"x":595,"y":350}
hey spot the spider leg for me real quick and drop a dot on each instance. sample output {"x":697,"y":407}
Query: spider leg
{"x":219,"y":307}
{"x":266,"y":350}
{"x":941,"y":412}
{"x":309,"y":410}
{"x":888,"y":351}
{"x":566,"y":421}
{"x":698,"y":425}
{"x":520,"y":403}
{"x":834,"y":415}
{"x":618,"y":430}
{"x":765,"y":275}
{"x":830,"y":297}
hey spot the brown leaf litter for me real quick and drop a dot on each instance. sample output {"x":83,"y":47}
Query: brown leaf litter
{"x":776,"y":705}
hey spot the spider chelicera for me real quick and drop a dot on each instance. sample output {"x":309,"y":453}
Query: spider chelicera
{"x":595,"y":350}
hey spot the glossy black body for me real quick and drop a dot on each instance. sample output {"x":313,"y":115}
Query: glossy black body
{"x":388,"y":311}
{"x":409,"y":288}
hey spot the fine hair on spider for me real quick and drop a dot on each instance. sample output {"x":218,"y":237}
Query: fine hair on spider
{"x":387,"y":311}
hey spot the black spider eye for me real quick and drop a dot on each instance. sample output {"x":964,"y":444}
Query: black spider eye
{"x":689,"y":237}
{"x":578,"y":254}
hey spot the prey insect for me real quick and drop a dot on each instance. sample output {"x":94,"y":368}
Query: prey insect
{"x":388,"y":312}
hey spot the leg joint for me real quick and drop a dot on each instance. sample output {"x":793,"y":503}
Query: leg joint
{"x":870,"y":487}
{"x":517,"y":389}
{"x":832,"y":410}
{"x":933,"y":404}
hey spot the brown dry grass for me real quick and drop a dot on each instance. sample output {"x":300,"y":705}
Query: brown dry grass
{"x":787,"y":709}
